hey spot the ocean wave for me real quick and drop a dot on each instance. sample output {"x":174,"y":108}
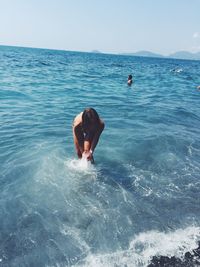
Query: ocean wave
{"x":146,"y":245}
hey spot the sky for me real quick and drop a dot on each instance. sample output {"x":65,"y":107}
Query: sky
{"x":109,"y":26}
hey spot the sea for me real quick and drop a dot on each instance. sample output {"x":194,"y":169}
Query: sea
{"x":140,"y":199}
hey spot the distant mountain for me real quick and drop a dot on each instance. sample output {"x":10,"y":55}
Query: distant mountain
{"x":178,"y":55}
{"x":147,"y":54}
{"x":144,"y":54}
{"x":96,"y":51}
{"x":185,"y":55}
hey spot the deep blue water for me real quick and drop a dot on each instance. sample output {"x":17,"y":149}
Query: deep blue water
{"x":141,"y":198}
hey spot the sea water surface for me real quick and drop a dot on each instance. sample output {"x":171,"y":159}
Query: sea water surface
{"x":142,"y":196}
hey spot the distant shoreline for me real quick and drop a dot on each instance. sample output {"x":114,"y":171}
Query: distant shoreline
{"x":180,"y":55}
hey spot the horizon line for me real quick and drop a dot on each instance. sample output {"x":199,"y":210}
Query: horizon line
{"x":96,"y":51}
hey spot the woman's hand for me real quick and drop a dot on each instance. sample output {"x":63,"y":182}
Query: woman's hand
{"x":88,"y":155}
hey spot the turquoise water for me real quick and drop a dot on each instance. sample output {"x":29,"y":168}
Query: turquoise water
{"x":140,"y":199}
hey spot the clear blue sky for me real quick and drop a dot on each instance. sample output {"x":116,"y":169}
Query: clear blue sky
{"x":112,"y":26}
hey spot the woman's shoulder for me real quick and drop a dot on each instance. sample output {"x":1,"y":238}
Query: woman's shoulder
{"x":78,"y":119}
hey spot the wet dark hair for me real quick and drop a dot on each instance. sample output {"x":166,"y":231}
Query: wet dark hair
{"x":130,"y":76}
{"x":89,"y":117}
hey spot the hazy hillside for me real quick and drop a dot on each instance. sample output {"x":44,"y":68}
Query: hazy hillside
{"x":178,"y":55}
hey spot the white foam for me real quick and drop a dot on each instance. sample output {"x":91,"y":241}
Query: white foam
{"x":146,"y":245}
{"x":79,"y":165}
{"x":60,"y":176}
{"x":177,"y":70}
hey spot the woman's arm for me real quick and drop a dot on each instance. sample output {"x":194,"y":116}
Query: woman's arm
{"x":96,"y":136}
{"x":78,"y":140}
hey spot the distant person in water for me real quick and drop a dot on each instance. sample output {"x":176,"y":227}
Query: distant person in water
{"x":130,"y":79}
{"x":87,"y":128}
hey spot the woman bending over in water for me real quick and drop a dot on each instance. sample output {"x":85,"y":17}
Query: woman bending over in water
{"x":87,"y":128}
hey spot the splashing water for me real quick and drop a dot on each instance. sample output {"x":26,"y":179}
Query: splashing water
{"x":142,"y":193}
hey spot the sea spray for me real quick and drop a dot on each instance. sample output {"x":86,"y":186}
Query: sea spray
{"x":142,"y":193}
